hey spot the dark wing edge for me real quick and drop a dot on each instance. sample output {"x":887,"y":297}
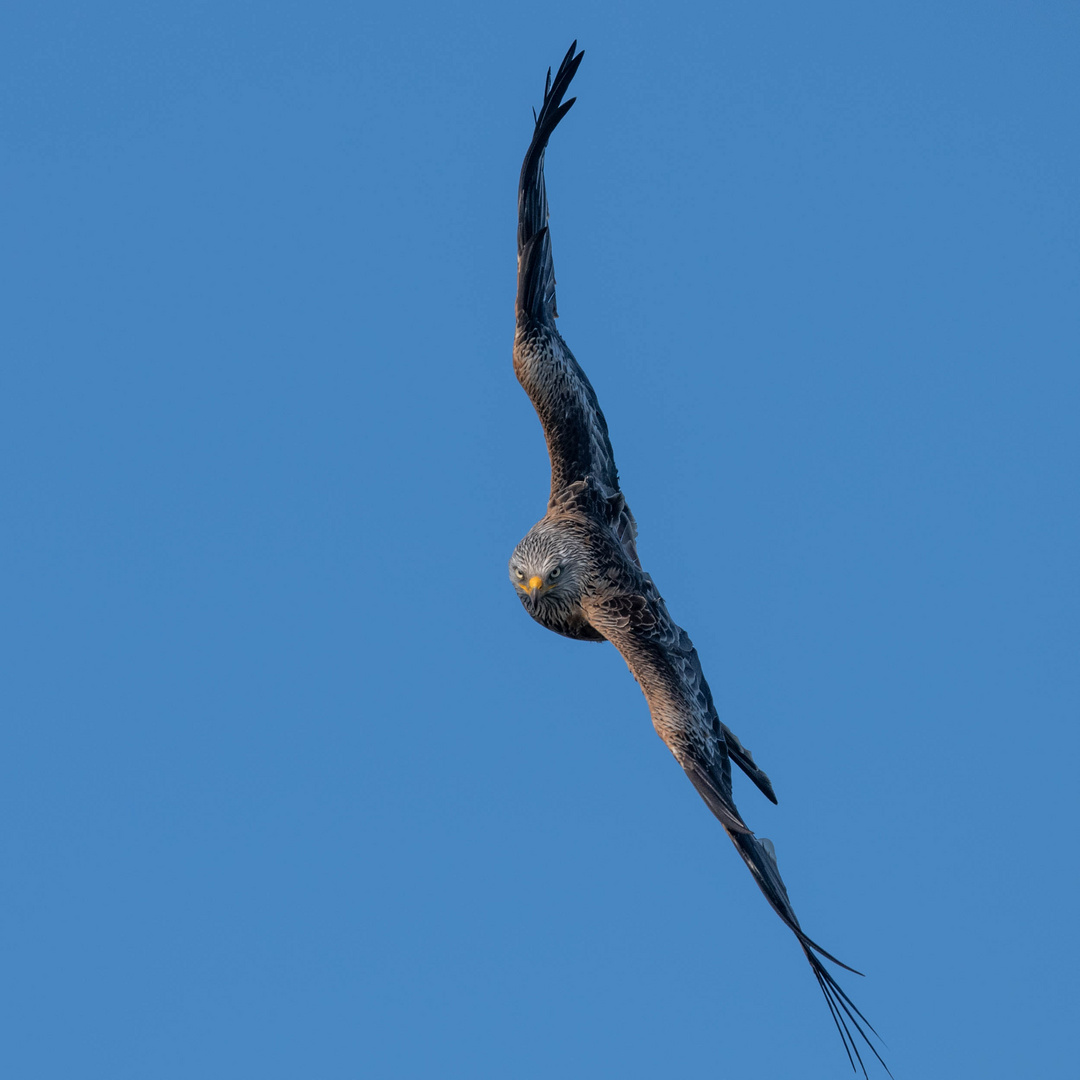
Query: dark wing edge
{"x":665,"y":664}
{"x":736,"y":751}
{"x":760,"y":856}
{"x":536,"y":270}
{"x":574,"y":426}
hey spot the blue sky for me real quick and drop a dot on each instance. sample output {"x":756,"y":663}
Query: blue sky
{"x":290,"y":784}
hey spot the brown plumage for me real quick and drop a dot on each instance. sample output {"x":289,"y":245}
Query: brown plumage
{"x":577,"y":571}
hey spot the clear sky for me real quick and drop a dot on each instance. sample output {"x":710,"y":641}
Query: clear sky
{"x":290,"y":786}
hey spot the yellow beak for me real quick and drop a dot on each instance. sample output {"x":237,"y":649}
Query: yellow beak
{"x":535,"y":583}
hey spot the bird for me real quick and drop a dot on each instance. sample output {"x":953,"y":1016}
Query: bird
{"x":577,"y":570}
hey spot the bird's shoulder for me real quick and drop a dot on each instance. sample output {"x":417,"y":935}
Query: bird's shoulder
{"x":609,"y":520}
{"x":626,"y":598}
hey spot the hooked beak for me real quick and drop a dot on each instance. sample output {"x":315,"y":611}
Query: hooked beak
{"x":534,"y":588}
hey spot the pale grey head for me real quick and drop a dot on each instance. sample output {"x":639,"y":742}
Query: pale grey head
{"x":548,"y":568}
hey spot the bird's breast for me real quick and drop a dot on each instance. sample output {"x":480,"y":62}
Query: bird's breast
{"x":568,"y":620}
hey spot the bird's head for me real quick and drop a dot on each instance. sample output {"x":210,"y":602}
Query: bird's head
{"x":546,"y":567}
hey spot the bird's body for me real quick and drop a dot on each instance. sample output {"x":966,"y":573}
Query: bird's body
{"x":577,"y":570}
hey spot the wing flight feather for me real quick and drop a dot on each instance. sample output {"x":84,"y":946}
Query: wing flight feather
{"x":574,"y":426}
{"x":634,"y":618}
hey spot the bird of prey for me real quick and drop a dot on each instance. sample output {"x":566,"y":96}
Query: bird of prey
{"x":577,"y":570}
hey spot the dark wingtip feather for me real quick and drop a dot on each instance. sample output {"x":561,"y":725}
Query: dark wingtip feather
{"x":760,"y":858}
{"x":845,"y":1011}
{"x":534,"y":260}
{"x":806,"y":942}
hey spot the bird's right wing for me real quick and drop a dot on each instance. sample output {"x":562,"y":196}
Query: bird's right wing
{"x":574,"y":427}
{"x":634,"y":618}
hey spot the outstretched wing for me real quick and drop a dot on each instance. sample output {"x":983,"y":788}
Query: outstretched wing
{"x":631,"y":614}
{"x":574,"y":426}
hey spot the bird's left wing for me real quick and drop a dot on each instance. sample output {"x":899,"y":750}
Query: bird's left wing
{"x":630,"y":613}
{"x":574,"y":427}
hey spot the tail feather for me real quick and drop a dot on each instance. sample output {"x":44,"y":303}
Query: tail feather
{"x":745,"y":760}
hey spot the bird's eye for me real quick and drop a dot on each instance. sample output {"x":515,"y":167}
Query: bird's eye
{"x":555,"y":573}
{"x":520,"y":575}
